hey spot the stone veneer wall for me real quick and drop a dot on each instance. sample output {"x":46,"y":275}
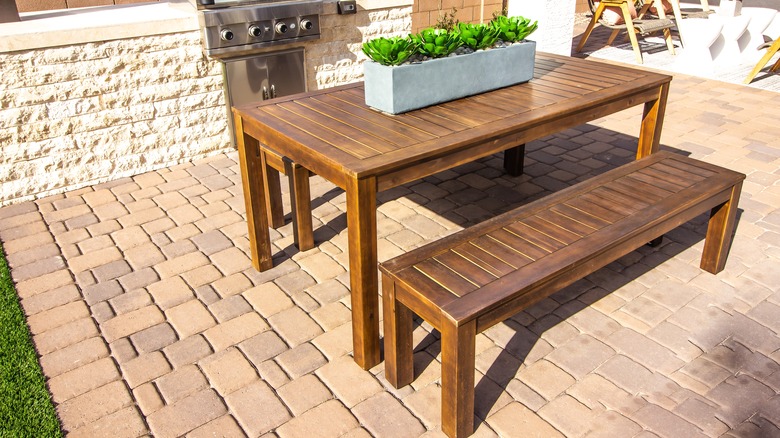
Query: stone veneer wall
{"x":81,"y":114}
{"x":86,"y":113}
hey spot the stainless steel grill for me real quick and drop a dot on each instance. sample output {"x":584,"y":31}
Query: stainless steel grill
{"x":238,"y":33}
{"x":233,"y":31}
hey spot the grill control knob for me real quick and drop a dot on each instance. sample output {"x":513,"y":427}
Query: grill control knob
{"x":226,"y":34}
{"x":306,"y":24}
{"x":281,"y":27}
{"x":255,"y":31}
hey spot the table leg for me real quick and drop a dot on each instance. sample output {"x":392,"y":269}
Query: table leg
{"x":363,"y":275}
{"x":300,"y":203}
{"x":513,"y":160}
{"x":253,"y":175}
{"x":652,"y":123}
{"x":273,"y":194}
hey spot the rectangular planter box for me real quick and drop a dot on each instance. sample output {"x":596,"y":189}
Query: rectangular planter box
{"x":407,"y":87}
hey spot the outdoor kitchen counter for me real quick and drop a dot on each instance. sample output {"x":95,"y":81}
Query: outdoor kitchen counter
{"x":84,"y":25}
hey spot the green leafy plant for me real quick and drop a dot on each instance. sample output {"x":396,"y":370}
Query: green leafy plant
{"x":436,"y":43}
{"x":511,"y":29}
{"x":389,"y":51}
{"x":477,"y":36}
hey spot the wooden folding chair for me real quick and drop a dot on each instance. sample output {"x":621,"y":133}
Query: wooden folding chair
{"x":770,"y":52}
{"x":631,"y":26}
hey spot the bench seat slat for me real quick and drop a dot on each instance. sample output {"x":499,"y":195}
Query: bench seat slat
{"x":619,"y":210}
{"x":646,"y":187}
{"x":674,"y":180}
{"x":425,"y":287}
{"x":631,"y":203}
{"x":633,"y":195}
{"x":486,"y":260}
{"x":584,"y":217}
{"x":596,"y":210}
{"x":638,"y":190}
{"x":444,"y":276}
{"x":689,"y":167}
{"x":466,"y":268}
{"x":674,"y":175}
{"x":556,"y":231}
{"x":535,"y":236}
{"x":518,"y":245}
{"x":651,"y":176}
{"x":500,"y":250}
{"x":567,"y":222}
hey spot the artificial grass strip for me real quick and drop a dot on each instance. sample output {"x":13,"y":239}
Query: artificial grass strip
{"x":26,"y":409}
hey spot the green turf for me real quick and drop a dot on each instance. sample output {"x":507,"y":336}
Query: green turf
{"x":26,"y":409}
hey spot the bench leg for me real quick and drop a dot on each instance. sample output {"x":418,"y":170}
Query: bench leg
{"x":513,"y":160}
{"x":656,"y":242}
{"x":458,"y":346}
{"x":399,"y":361}
{"x":300,"y":204}
{"x":719,"y":233}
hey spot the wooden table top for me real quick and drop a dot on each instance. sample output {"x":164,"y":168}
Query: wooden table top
{"x":340,"y":134}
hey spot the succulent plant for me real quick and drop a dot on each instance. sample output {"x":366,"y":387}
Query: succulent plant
{"x":436,"y":43}
{"x":389,"y":51}
{"x":513,"y":29}
{"x":477,"y":36}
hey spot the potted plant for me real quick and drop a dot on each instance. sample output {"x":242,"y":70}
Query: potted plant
{"x":438,"y":65}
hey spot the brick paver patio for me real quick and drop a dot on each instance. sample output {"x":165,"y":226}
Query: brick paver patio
{"x":149,"y":319}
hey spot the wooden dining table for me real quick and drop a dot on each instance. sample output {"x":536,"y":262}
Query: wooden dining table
{"x":332,"y":133}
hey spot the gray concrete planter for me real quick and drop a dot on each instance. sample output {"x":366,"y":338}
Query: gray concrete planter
{"x":407,"y":87}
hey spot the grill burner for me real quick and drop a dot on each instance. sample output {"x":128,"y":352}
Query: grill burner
{"x":238,"y":30}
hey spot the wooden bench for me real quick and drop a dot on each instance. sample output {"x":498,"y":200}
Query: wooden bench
{"x":471,"y":280}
